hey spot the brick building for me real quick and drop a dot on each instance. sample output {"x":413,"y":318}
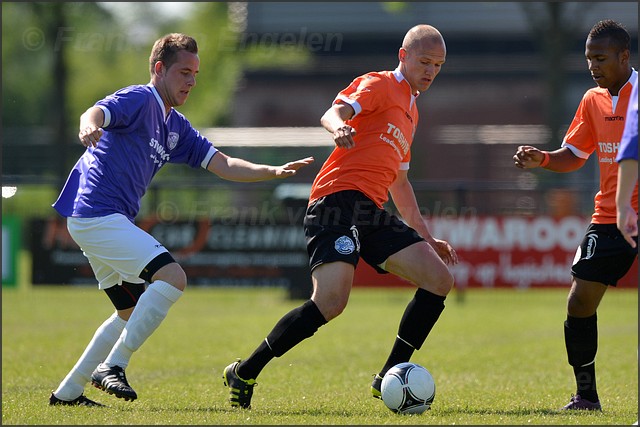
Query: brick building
{"x":495,"y":91}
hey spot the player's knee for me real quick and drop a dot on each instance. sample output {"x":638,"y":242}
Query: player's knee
{"x":445,"y":287}
{"x":164,"y":267}
{"x":579,"y":306}
{"x":331,"y":307}
{"x":334,"y":311}
{"x":441,"y":284}
{"x":125,"y":314}
{"x":172,"y":274}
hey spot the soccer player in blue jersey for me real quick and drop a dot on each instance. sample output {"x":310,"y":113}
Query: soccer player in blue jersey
{"x":627,"y":158}
{"x":129,"y":136}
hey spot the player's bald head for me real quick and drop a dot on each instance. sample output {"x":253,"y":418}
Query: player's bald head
{"x":422,"y":35}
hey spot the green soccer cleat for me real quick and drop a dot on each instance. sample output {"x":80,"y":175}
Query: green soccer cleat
{"x":376,"y":386}
{"x":240,"y":390}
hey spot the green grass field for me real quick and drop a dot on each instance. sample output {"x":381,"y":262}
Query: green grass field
{"x":497,"y":357}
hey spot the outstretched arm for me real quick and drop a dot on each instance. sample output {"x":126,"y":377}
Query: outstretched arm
{"x":561,"y":160}
{"x":236,"y":169}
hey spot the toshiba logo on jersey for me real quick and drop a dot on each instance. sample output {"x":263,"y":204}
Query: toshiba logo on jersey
{"x":397,"y":134}
{"x":608,"y":147}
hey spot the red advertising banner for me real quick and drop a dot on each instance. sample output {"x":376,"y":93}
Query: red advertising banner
{"x":503,"y":251}
{"x":494,"y":251}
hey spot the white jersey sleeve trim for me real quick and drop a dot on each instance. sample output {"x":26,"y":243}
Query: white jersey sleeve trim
{"x":356,"y":106}
{"x":404,"y":166}
{"x":578,"y":153}
{"x":207,"y":158}
{"x":107,"y":116}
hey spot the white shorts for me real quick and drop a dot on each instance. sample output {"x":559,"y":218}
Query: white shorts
{"x":116,"y":248}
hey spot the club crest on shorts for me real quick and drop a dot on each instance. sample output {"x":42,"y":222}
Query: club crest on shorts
{"x":344,"y":245}
{"x":173,"y":140}
{"x":592,"y":242}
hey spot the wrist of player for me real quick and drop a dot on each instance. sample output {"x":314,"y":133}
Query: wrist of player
{"x":545,"y":159}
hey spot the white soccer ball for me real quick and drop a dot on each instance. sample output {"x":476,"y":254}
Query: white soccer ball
{"x":408,"y":388}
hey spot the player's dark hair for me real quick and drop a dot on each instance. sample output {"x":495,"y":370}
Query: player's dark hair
{"x":166,"y":49}
{"x":614,"y":31}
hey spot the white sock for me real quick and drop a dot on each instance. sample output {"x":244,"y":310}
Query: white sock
{"x":102,"y":342}
{"x":150,"y":311}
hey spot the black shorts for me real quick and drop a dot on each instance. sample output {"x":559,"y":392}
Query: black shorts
{"x":127,"y":294}
{"x":347,"y":225}
{"x":603,"y":255}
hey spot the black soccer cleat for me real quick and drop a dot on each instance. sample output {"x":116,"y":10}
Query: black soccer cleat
{"x":81,"y":400}
{"x":112,"y":380}
{"x":240,"y":390}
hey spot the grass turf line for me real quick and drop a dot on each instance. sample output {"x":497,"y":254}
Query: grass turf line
{"x":497,"y":357}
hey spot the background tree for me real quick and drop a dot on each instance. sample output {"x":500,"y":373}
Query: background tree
{"x":40,"y":41}
{"x":60,"y":58}
{"x":554,"y":26}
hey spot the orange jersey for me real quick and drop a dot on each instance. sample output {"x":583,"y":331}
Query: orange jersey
{"x":385,"y":121}
{"x":597,"y":126}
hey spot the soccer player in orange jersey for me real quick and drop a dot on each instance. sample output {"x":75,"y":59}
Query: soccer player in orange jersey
{"x":604,"y":256}
{"x":372,"y":122}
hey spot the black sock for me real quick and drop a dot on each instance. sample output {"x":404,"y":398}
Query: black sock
{"x":586,"y":382}
{"x":295,"y":326}
{"x":581,"y":340}
{"x":401,"y":352}
{"x":250,"y":368}
{"x":418,"y":319}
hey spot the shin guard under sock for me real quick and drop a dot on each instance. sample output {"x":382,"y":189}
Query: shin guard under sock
{"x":297,"y":325}
{"x":150,"y":311}
{"x":581,"y":340}
{"x":420,"y":316}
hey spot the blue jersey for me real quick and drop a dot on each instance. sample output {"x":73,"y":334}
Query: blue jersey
{"x":137,"y":141}
{"x":629,"y":143}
